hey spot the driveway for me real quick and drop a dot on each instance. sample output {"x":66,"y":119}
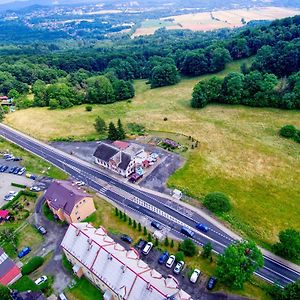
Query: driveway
{"x":53,"y":238}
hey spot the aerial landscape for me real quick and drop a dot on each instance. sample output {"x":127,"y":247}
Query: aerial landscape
{"x":149,"y":149}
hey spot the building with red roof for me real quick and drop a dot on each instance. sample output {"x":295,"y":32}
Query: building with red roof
{"x":4,"y":215}
{"x":9,"y":271}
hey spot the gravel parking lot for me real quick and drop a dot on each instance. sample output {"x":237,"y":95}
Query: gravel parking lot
{"x":155,"y":177}
{"x":6,"y":179}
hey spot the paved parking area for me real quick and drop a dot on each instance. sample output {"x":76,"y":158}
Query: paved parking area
{"x":197,"y":290}
{"x":5,"y":184}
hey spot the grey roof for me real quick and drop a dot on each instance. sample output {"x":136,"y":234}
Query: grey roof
{"x":105,"y":152}
{"x":125,"y":160}
{"x":29,"y":295}
{"x":64,"y":195}
{"x":6,"y":264}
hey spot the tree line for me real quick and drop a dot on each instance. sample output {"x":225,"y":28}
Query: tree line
{"x":104,"y":74}
{"x":252,"y":89}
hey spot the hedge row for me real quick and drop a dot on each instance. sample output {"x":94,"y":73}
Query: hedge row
{"x":22,"y":186}
{"x":14,"y":200}
{"x":32,"y":265}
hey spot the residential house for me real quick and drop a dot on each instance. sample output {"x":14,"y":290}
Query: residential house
{"x":120,"y":157}
{"x":4,"y":215}
{"x":28,"y":295}
{"x":119,"y":273}
{"x":69,"y":202}
{"x":9,"y":271}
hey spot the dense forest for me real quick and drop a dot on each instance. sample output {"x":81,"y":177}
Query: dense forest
{"x":103,"y":74}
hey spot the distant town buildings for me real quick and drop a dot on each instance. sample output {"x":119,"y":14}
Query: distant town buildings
{"x":121,"y":274}
{"x":69,"y":202}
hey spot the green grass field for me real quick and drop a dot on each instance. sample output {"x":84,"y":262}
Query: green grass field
{"x":240,"y":152}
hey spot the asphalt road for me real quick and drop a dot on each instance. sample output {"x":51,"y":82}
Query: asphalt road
{"x":144,"y":203}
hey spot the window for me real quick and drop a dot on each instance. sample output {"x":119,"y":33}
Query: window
{"x":83,"y":201}
{"x":76,"y":213}
{"x":78,"y":218}
{"x":76,"y":206}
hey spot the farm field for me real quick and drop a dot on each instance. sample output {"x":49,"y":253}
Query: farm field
{"x":240,"y":152}
{"x":214,"y":20}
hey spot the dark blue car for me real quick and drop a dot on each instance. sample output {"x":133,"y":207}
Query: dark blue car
{"x":163,"y":258}
{"x":24,"y":252}
{"x":202,"y":227}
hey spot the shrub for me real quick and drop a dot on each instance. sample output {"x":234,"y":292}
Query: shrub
{"x":179,"y":256}
{"x":89,"y":108}
{"x":288,"y":131}
{"x":32,"y":265}
{"x":217,"y":202}
{"x":188,"y":248}
{"x":297,"y":136}
{"x":18,"y":185}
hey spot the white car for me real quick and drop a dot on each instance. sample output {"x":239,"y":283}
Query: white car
{"x":22,"y":171}
{"x":79,"y":183}
{"x":170,"y":261}
{"x":147,"y":248}
{"x":195,"y":275}
{"x":179,"y":266}
{"x":41,"y":280}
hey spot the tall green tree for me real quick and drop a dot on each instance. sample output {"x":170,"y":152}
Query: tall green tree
{"x":4,"y":293}
{"x":238,"y":263}
{"x":163,"y":75}
{"x":100,"y":125}
{"x":188,"y":247}
{"x":206,"y":251}
{"x":121,"y":131}
{"x":100,"y":90}
{"x":289,"y":244}
{"x":113,"y":134}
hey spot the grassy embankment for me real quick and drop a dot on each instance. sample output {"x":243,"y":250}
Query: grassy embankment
{"x":240,"y":152}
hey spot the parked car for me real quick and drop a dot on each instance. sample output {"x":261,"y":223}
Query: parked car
{"x":3,"y":168}
{"x":22,"y":171}
{"x":16,"y":171}
{"x":179,"y":266}
{"x":12,"y":169}
{"x":41,"y":280}
{"x":24,"y":252}
{"x":62,"y":296}
{"x":211,"y":283}
{"x":170,"y":261}
{"x":41,"y":229}
{"x":17,"y":158}
{"x":163,"y":258}
{"x":156,"y":225}
{"x":141,"y":244}
{"x":35,"y":189}
{"x":187,"y":231}
{"x":126,"y":238}
{"x":202,"y":227}
{"x":195,"y":275}
{"x":10,"y":157}
{"x":5,"y":155}
{"x":147,"y":248}
{"x":10,"y":195}
{"x":135,"y":177}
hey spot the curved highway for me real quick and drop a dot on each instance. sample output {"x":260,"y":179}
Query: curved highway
{"x":145,"y":203}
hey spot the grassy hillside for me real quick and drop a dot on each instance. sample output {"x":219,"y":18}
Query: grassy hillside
{"x":240,"y":151}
